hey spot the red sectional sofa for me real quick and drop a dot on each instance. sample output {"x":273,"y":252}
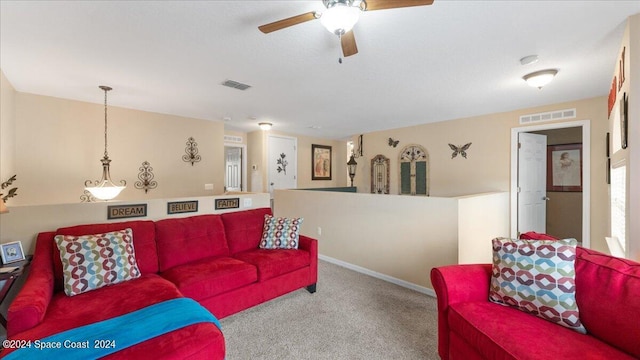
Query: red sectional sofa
{"x":213,"y":259}
{"x":607,"y":293}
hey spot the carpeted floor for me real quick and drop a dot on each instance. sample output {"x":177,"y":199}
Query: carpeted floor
{"x":351,"y":316}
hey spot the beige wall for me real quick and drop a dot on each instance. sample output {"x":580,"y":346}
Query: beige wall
{"x":257,"y":149}
{"x":398,"y":238}
{"x":631,"y":155}
{"x":60,"y":143}
{"x":7,"y":131}
{"x":487,"y":167}
{"x":23,"y":223}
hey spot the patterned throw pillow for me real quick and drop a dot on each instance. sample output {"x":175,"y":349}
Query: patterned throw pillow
{"x":280,"y":233}
{"x":90,"y":262}
{"x":538,"y":277}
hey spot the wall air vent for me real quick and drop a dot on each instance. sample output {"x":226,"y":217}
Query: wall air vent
{"x":236,"y":85}
{"x":548,"y":116}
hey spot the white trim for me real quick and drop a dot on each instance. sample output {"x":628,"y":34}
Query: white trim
{"x":244,"y":163}
{"x":377,"y":275}
{"x":586,"y":173}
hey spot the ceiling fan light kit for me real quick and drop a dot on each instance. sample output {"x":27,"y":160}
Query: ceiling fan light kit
{"x":540,"y":78}
{"x":340,"y":17}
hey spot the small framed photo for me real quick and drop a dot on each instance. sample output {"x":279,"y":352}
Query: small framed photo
{"x":320,"y":162}
{"x":11,"y":252}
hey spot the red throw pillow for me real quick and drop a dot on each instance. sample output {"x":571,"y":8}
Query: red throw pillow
{"x":532,"y":235}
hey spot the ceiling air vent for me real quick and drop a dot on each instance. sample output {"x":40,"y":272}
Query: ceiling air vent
{"x":236,"y":85}
{"x":548,"y":116}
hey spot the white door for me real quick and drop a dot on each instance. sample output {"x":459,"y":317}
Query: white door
{"x":233,"y":168}
{"x":532,"y":182}
{"x":282,"y":162}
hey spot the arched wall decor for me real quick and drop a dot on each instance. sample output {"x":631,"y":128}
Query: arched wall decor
{"x":380,"y":165}
{"x":414,"y":170}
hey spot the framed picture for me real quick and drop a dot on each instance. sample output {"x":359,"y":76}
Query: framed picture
{"x":564,"y":167}
{"x":624,"y":125}
{"x":11,"y":252}
{"x":320,"y":162}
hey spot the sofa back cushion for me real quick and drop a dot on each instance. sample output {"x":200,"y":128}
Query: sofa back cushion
{"x":184,"y":240}
{"x":144,"y":244}
{"x":608,"y":294}
{"x":244,"y":228}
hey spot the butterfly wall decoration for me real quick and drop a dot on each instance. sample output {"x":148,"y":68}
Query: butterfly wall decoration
{"x":393,"y":143}
{"x":462,"y":150}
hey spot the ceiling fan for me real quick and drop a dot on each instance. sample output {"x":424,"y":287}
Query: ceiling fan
{"x":341,"y":16}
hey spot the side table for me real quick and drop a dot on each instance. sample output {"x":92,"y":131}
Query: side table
{"x":8,"y":280}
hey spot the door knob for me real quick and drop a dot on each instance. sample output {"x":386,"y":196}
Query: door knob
{"x":545,"y":198}
{"x":271,"y":184}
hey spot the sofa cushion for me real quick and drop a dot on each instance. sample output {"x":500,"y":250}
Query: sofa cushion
{"x":244,"y":228}
{"x":608,"y":293}
{"x":208,"y":277}
{"x":183,"y":240}
{"x":537,"y":276}
{"x":280,"y":233}
{"x":66,"y":313}
{"x":90,"y":262}
{"x":144,"y":243}
{"x":272,"y":263}
{"x":500,"y":332}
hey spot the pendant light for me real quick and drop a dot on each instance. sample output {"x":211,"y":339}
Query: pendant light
{"x":105,"y":189}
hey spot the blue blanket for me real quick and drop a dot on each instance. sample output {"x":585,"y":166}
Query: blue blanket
{"x":106,"y":337}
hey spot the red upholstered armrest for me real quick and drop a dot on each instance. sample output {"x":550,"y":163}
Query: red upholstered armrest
{"x":311,"y":245}
{"x":456,"y":284}
{"x":28,"y":308}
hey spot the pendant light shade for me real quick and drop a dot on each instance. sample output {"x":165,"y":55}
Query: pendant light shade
{"x":105,"y":189}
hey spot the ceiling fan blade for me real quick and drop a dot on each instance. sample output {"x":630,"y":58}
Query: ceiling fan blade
{"x":348,"y":42}
{"x":285,"y":23}
{"x":392,"y":4}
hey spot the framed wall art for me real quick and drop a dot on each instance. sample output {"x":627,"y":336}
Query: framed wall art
{"x":320,"y":162}
{"x":11,"y":252}
{"x":564,"y":167}
{"x":624,"y":125}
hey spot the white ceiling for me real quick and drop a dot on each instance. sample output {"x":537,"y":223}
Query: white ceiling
{"x":416,"y":65}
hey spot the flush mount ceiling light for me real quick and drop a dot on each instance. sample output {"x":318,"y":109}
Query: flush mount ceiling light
{"x":540,"y":78}
{"x":105,"y":189}
{"x":265,"y":125}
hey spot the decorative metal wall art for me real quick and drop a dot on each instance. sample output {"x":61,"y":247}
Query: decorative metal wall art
{"x":191,"y":152}
{"x":87,"y":197}
{"x":146,"y":178}
{"x":414,"y":170}
{"x":462,"y":150}
{"x":282,"y":163}
{"x":380,"y":174}
{"x":393,"y":143}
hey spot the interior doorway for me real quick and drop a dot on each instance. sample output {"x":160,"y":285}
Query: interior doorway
{"x":235,"y":174}
{"x":561,"y":217}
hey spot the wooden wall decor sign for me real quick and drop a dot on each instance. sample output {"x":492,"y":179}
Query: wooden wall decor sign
{"x":232,"y":203}
{"x":126,"y":211}
{"x":180,"y":207}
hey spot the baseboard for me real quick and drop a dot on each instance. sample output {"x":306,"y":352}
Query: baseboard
{"x":391,"y":279}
